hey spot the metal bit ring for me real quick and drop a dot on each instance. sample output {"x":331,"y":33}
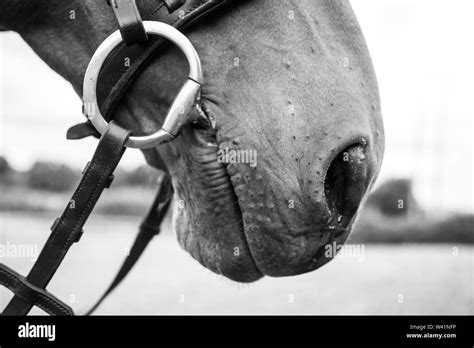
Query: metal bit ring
{"x":186,"y":100}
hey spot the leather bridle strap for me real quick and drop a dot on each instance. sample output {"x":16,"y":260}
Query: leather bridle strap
{"x":129,"y":20}
{"x":148,"y":229}
{"x":133,"y":32}
{"x":32,"y":294}
{"x":67,"y":230}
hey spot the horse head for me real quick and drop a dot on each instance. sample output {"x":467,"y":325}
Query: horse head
{"x":298,"y":139}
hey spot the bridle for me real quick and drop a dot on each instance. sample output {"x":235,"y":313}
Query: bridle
{"x":105,"y":82}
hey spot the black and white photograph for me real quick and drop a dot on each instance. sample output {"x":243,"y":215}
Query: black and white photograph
{"x":225,"y":159}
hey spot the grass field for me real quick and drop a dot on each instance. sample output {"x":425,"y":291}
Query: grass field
{"x":390,"y":279}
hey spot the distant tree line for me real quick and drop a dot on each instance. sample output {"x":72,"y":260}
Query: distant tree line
{"x":394,"y":198}
{"x":391,"y":213}
{"x":56,"y":177}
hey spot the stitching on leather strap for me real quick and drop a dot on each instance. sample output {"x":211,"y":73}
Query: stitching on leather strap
{"x":90,"y":199}
{"x":191,"y":10}
{"x":154,"y":12}
{"x":97,"y":187}
{"x":16,"y":283}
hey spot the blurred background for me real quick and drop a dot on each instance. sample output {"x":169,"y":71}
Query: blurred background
{"x":414,"y":237}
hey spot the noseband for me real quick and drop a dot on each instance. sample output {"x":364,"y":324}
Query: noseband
{"x":105,"y":82}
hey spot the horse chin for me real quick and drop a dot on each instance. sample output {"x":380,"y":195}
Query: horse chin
{"x":217,"y":241}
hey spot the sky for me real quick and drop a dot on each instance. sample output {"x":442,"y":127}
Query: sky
{"x":423,"y":55}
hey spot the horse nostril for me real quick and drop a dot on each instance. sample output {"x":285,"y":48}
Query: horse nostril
{"x":347,"y":180}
